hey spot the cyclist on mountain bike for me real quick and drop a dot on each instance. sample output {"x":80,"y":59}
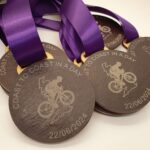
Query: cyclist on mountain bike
{"x":116,"y":71}
{"x":52,"y":88}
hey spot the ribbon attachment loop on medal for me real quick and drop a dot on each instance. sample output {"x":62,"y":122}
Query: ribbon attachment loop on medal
{"x":126,"y":44}
{"x":84,"y":57}
{"x":78,"y":64}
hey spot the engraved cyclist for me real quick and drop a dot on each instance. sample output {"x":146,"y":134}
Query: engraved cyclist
{"x":116,"y":70}
{"x":56,"y":96}
{"x":121,"y":78}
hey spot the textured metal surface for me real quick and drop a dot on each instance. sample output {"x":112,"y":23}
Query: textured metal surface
{"x":51,"y":101}
{"x":121,"y":83}
{"x":111,"y":31}
{"x":8,"y":66}
{"x":140,"y":48}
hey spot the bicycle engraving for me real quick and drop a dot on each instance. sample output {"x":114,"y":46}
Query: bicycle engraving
{"x":105,"y":31}
{"x":122,"y":81}
{"x":59,"y":101}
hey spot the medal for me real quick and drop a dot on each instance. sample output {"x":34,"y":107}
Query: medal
{"x":119,"y":85}
{"x":51,"y":101}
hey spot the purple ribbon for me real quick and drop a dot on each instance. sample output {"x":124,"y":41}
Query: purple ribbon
{"x":2,"y":36}
{"x":20,"y":31}
{"x":130,"y":31}
{"x":85,"y":28}
{"x":48,"y":24}
{"x":70,"y":35}
{"x":69,"y":39}
{"x":78,"y":29}
{"x":75,"y":25}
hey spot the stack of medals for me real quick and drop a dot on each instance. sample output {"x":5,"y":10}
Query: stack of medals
{"x":52,"y":99}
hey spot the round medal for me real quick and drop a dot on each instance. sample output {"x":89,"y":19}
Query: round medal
{"x":8,"y":66}
{"x":111,"y":31}
{"x":121,"y":86}
{"x":51,"y":101}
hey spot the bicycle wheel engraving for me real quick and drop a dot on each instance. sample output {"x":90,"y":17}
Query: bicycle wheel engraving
{"x":130,"y":77}
{"x":67,"y":97}
{"x":115,"y":87}
{"x":45,"y":110}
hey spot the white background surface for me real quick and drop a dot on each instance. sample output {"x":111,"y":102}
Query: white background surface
{"x":102,"y":132}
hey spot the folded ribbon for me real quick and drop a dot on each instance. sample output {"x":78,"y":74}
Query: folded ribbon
{"x":78,"y":29}
{"x":72,"y":26}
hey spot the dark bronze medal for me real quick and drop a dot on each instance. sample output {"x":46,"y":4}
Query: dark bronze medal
{"x":121,"y":86}
{"x":8,"y":66}
{"x":51,"y":101}
{"x":111,"y":31}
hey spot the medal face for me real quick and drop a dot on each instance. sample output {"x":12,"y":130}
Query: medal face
{"x":140,"y":48}
{"x":51,"y":101}
{"x":111,"y":31}
{"x":8,"y":66}
{"x":121,"y":86}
